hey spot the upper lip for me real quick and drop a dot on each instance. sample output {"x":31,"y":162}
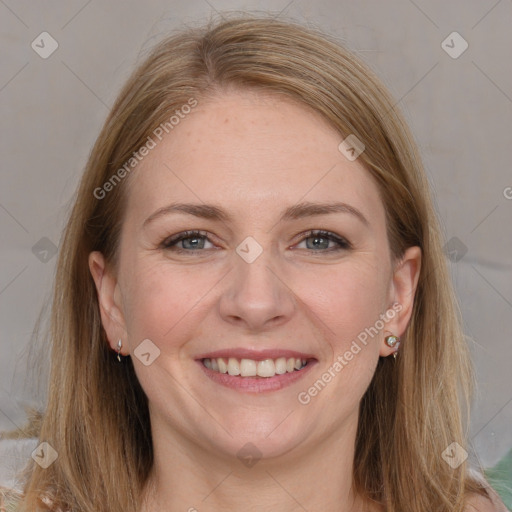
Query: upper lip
{"x":257,"y":355}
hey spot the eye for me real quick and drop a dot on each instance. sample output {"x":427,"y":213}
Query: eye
{"x":323,"y":241}
{"x":314,"y":240}
{"x":187,"y":241}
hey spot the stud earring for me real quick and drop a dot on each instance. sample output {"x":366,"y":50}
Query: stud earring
{"x":393,"y":342}
{"x":119,"y":345}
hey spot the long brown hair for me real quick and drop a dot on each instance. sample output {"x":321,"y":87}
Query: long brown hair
{"x":97,"y":415}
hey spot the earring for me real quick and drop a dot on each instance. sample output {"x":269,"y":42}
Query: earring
{"x":119,"y":345}
{"x":393,"y":341}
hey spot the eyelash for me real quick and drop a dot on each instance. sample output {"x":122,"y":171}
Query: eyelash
{"x":171,"y":242}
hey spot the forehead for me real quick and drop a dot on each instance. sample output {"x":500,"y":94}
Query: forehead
{"x":247,"y":149}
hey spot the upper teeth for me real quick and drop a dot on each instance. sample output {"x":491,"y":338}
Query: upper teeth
{"x":251,"y":368}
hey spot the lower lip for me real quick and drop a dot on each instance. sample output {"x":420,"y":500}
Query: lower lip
{"x":257,"y":385}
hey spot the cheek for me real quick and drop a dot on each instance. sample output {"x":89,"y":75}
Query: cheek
{"x":346,"y":302}
{"x":162,"y":301}
{"x":348,"y":299}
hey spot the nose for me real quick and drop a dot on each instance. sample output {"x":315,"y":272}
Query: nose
{"x":256,"y":297}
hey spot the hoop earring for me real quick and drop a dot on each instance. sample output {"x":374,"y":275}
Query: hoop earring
{"x":118,"y":349}
{"x":393,"y":342}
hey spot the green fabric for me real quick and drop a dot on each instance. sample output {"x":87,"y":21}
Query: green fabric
{"x":500,"y":477}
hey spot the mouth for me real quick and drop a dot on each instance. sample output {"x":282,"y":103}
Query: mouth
{"x":259,"y":374}
{"x":264,"y":369}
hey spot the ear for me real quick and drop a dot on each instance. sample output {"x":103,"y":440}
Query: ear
{"x":109,"y":299}
{"x":402,"y":291}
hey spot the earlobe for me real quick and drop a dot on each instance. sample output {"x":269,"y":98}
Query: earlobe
{"x":403,"y":290}
{"x":108,"y":299}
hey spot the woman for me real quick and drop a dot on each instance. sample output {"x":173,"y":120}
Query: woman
{"x":252,"y":309}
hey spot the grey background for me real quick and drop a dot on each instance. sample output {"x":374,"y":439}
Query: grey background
{"x":460,"y":111}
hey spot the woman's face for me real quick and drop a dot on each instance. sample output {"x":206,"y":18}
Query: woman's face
{"x":258,"y":176}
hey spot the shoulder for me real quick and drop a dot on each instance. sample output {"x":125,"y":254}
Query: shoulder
{"x":478,"y":503}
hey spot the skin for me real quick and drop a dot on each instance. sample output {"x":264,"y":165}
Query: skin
{"x":253,"y":155}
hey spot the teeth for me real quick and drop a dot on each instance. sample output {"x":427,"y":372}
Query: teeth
{"x":223,"y":367}
{"x":252,"y":368}
{"x":248,"y":368}
{"x":280,"y":365}
{"x":266,"y":368}
{"x":233,"y":366}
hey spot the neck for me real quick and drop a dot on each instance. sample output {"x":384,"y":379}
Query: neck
{"x":188,"y":477}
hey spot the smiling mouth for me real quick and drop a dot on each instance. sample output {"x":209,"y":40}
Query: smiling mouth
{"x":265,"y":368}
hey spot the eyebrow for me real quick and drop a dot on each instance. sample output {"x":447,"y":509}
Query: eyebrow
{"x":298,"y":211}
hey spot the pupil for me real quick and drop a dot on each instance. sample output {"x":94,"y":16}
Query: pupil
{"x":319,"y":242}
{"x":193,"y":243}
